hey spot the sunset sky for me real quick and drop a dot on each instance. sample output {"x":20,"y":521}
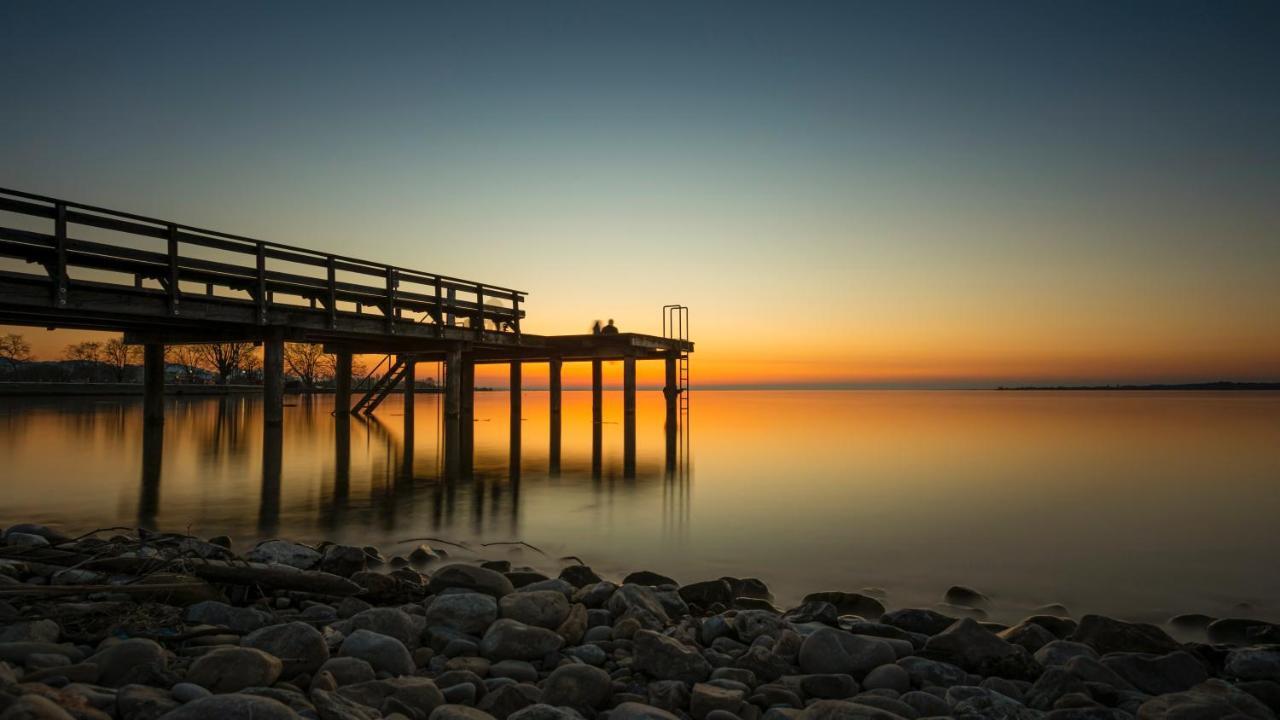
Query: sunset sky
{"x":878,"y":194}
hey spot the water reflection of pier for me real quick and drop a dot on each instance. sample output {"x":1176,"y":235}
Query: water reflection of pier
{"x":405,"y":471}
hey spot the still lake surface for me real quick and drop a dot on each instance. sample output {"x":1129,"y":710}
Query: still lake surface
{"x":1135,"y":504}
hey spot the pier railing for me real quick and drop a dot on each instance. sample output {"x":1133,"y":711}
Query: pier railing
{"x":217,"y":264}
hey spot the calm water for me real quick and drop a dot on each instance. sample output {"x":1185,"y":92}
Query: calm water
{"x":1135,"y":504}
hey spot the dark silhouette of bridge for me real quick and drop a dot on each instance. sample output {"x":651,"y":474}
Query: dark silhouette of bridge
{"x":165,"y":283}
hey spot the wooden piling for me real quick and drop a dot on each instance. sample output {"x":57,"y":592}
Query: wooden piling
{"x":629,"y":386}
{"x":410,"y":384}
{"x":516,"y":394}
{"x":342,"y":383}
{"x":554,"y":368}
{"x":453,"y":385}
{"x":597,"y":391}
{"x":153,"y":383}
{"x":273,"y":380}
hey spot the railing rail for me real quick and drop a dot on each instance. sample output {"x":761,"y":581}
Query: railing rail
{"x":441,"y":297}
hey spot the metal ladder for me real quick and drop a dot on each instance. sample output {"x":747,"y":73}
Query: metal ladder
{"x":675,"y":326}
{"x":382,"y":387}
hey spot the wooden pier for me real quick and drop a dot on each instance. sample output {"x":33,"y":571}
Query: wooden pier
{"x":165,"y":283}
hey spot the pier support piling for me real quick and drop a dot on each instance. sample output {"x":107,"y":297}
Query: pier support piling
{"x":410,"y":384}
{"x":273,"y":381}
{"x":629,"y":386}
{"x":671,"y":389}
{"x":342,"y":383}
{"x":554,"y":367}
{"x":453,"y":385}
{"x":597,"y":391}
{"x":516,"y":394}
{"x":153,"y":383}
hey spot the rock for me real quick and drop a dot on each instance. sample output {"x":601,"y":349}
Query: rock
{"x":542,"y":711}
{"x":467,"y":612}
{"x":236,"y":706}
{"x":887,"y":677}
{"x":706,"y":593}
{"x":34,"y":707}
{"x":882,"y":701}
{"x":1157,"y":674}
{"x":19,"y":652}
{"x":639,"y":711}
{"x":1242,"y":631}
{"x":645,"y":577}
{"x":383,"y":652}
{"x":575,"y":623}
{"x":665,"y":658}
{"x":579,"y":576}
{"x":459,"y":712}
{"x":470,"y":577}
{"x":348,"y":670}
{"x":578,"y":687}
{"x":300,"y":646}
{"x":1061,"y":627}
{"x":42,"y":631}
{"x":1051,"y":686}
{"x":20,"y":539}
{"x":752,"y":624}
{"x":974,"y":648}
{"x":1107,"y":635}
{"x":932,"y":673}
{"x":1059,"y":652}
{"x":509,"y":698}
{"x":849,"y":603}
{"x":966,"y":597}
{"x":640,"y":604}
{"x":1209,"y":700}
{"x":129,"y":661}
{"x":814,"y":611}
{"x":826,"y":686}
{"x":283,"y":552}
{"x":705,"y":699}
{"x":1253,"y":663}
{"x":330,"y":705}
{"x":517,"y":670}
{"x":926,"y":704}
{"x":185,"y":692}
{"x":540,"y":608}
{"x":212,"y":612}
{"x":231,"y":669}
{"x":561,"y":586}
{"x":139,"y":702}
{"x":844,"y":710}
{"x":419,"y":694}
{"x":1266,"y":692}
{"x":343,"y":560}
{"x":918,"y":620}
{"x":834,"y":651}
{"x":1031,"y":636}
{"x":975,"y":703}
{"x":508,"y":639}
{"x":386,"y":621}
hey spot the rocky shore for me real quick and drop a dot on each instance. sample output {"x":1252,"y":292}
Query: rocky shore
{"x":137,"y":625}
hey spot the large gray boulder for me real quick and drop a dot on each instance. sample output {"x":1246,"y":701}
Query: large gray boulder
{"x":235,"y":706}
{"x":539,"y":608}
{"x":578,"y":687}
{"x":128,"y":661}
{"x":508,"y":639}
{"x":470,"y":577}
{"x":300,"y":646}
{"x":835,"y":651}
{"x":466,"y":612}
{"x":232,"y":669}
{"x":383,"y":652}
{"x":978,"y":650}
{"x":665,"y":658}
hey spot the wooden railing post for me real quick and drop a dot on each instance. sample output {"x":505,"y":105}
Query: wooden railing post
{"x":332,"y":291}
{"x":515,"y":312}
{"x":480,"y":310}
{"x":262,"y":284}
{"x":59,"y":271}
{"x":173,"y":270}
{"x":393,"y":279}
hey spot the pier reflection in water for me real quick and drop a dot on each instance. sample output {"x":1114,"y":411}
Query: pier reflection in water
{"x":366,"y":479}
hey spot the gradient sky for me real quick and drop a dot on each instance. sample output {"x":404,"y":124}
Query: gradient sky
{"x":891,"y":193}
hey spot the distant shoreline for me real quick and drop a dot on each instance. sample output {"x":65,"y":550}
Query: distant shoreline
{"x":1221,"y":385}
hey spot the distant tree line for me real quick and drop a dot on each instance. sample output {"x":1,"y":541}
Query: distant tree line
{"x":115,"y":361}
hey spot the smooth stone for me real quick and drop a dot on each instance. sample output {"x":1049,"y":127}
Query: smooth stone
{"x":34,"y":707}
{"x":517,"y":670}
{"x":665,"y":658}
{"x":966,"y":596}
{"x":140,"y":702}
{"x":213,"y":612}
{"x":880,"y":700}
{"x":845,"y":710}
{"x":391,"y":622}
{"x":1031,"y":636}
{"x":834,"y":651}
{"x":21,"y":539}
{"x":283,"y":552}
{"x":575,"y":624}
{"x":235,"y":706}
{"x":467,"y":611}
{"x":18,"y":652}
{"x":638,"y":603}
{"x":813,"y":611}
{"x":1060,"y":652}
{"x":1157,"y":674}
{"x":383,"y":652}
{"x":542,"y":711}
{"x":459,"y":712}
{"x":596,"y":595}
{"x":470,"y":577}
{"x":976,"y":703}
{"x":127,"y":661}
{"x":828,"y":686}
{"x":1253,"y":663}
{"x":706,"y":698}
{"x":926,"y":704}
{"x":538,"y":608}
{"x":890,"y":676}
{"x":578,"y":687}
{"x":300,"y":646}
{"x":752,"y":624}
{"x":918,"y":620}
{"x":1107,"y":635}
{"x":849,"y":603}
{"x":1052,"y":685}
{"x":502,"y":701}
{"x":348,"y":670}
{"x":185,"y":692}
{"x":974,"y":648}
{"x":639,"y":711}
{"x":554,"y":584}
{"x":508,"y":639}
{"x":343,"y":560}
{"x":1209,"y":700}
{"x":669,"y":695}
{"x":932,"y":673}
{"x":646,"y":577}
{"x":706,"y":593}
{"x":232,"y":669}
{"x":41,"y":631}
{"x":1242,"y":631}
{"x":330,"y":705}
{"x":579,"y":575}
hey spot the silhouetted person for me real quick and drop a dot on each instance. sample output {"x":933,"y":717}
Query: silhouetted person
{"x":609,"y":329}
{"x":595,"y":328}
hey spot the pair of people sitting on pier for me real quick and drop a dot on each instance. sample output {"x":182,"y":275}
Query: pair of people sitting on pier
{"x":609,"y":329}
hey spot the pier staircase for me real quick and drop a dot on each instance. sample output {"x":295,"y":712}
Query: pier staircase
{"x":675,"y":326}
{"x":382,"y":386}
